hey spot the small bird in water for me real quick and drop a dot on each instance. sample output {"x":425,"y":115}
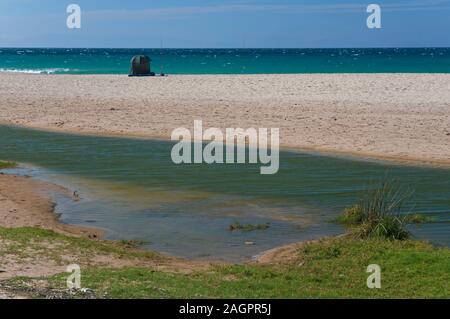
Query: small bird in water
{"x":76,"y":196}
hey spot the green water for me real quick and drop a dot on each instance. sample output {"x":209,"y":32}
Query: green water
{"x":131,"y":188}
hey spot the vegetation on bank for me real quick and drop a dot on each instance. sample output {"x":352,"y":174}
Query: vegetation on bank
{"x":379,"y":214}
{"x":329,"y":268}
{"x":4,"y":165}
{"x":235,"y":226}
{"x":28,"y":242}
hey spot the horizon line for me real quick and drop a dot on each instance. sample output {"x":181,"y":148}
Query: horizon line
{"x":228,"y":48}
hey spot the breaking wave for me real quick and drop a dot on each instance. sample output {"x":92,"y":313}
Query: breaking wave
{"x":36,"y":71}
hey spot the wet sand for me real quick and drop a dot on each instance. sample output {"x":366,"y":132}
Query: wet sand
{"x":24,"y":203}
{"x":400,"y":117}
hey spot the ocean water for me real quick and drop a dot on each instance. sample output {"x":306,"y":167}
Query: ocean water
{"x":228,"y":61}
{"x":132,"y":190}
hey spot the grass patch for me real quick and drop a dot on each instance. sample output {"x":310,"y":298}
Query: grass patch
{"x":354,"y":216}
{"x":379,"y":213}
{"x":331,"y":268}
{"x":4,"y":165}
{"x":237,"y":226}
{"x":26,"y":238}
{"x":351,"y":216}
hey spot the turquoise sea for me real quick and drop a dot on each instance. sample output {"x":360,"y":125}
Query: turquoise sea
{"x":228,"y":61}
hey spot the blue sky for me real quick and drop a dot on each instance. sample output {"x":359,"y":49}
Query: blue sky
{"x":224,"y":23}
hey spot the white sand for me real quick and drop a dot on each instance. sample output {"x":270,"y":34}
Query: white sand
{"x":402,"y":117}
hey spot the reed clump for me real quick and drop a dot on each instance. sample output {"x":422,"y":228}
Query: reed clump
{"x":379,"y":213}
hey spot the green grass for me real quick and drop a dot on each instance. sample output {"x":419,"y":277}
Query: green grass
{"x":235,"y":226}
{"x":333,"y":268}
{"x":329,"y":268}
{"x":4,"y":165}
{"x":379,"y":213}
{"x":352,"y":216}
{"x":29,"y":237}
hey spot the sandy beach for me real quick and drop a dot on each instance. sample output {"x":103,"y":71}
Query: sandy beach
{"x":390,"y":116}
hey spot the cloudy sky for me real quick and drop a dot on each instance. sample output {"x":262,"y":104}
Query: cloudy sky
{"x":224,"y":23}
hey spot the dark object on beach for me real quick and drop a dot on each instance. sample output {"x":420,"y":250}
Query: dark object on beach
{"x":76,"y":196}
{"x":140,"y":66}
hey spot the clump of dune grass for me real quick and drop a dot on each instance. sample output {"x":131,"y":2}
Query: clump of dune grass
{"x":379,"y":213}
{"x":4,"y":165}
{"x":354,"y":216}
{"x":235,"y":226}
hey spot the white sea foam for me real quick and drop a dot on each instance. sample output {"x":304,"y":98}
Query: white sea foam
{"x":35,"y":71}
